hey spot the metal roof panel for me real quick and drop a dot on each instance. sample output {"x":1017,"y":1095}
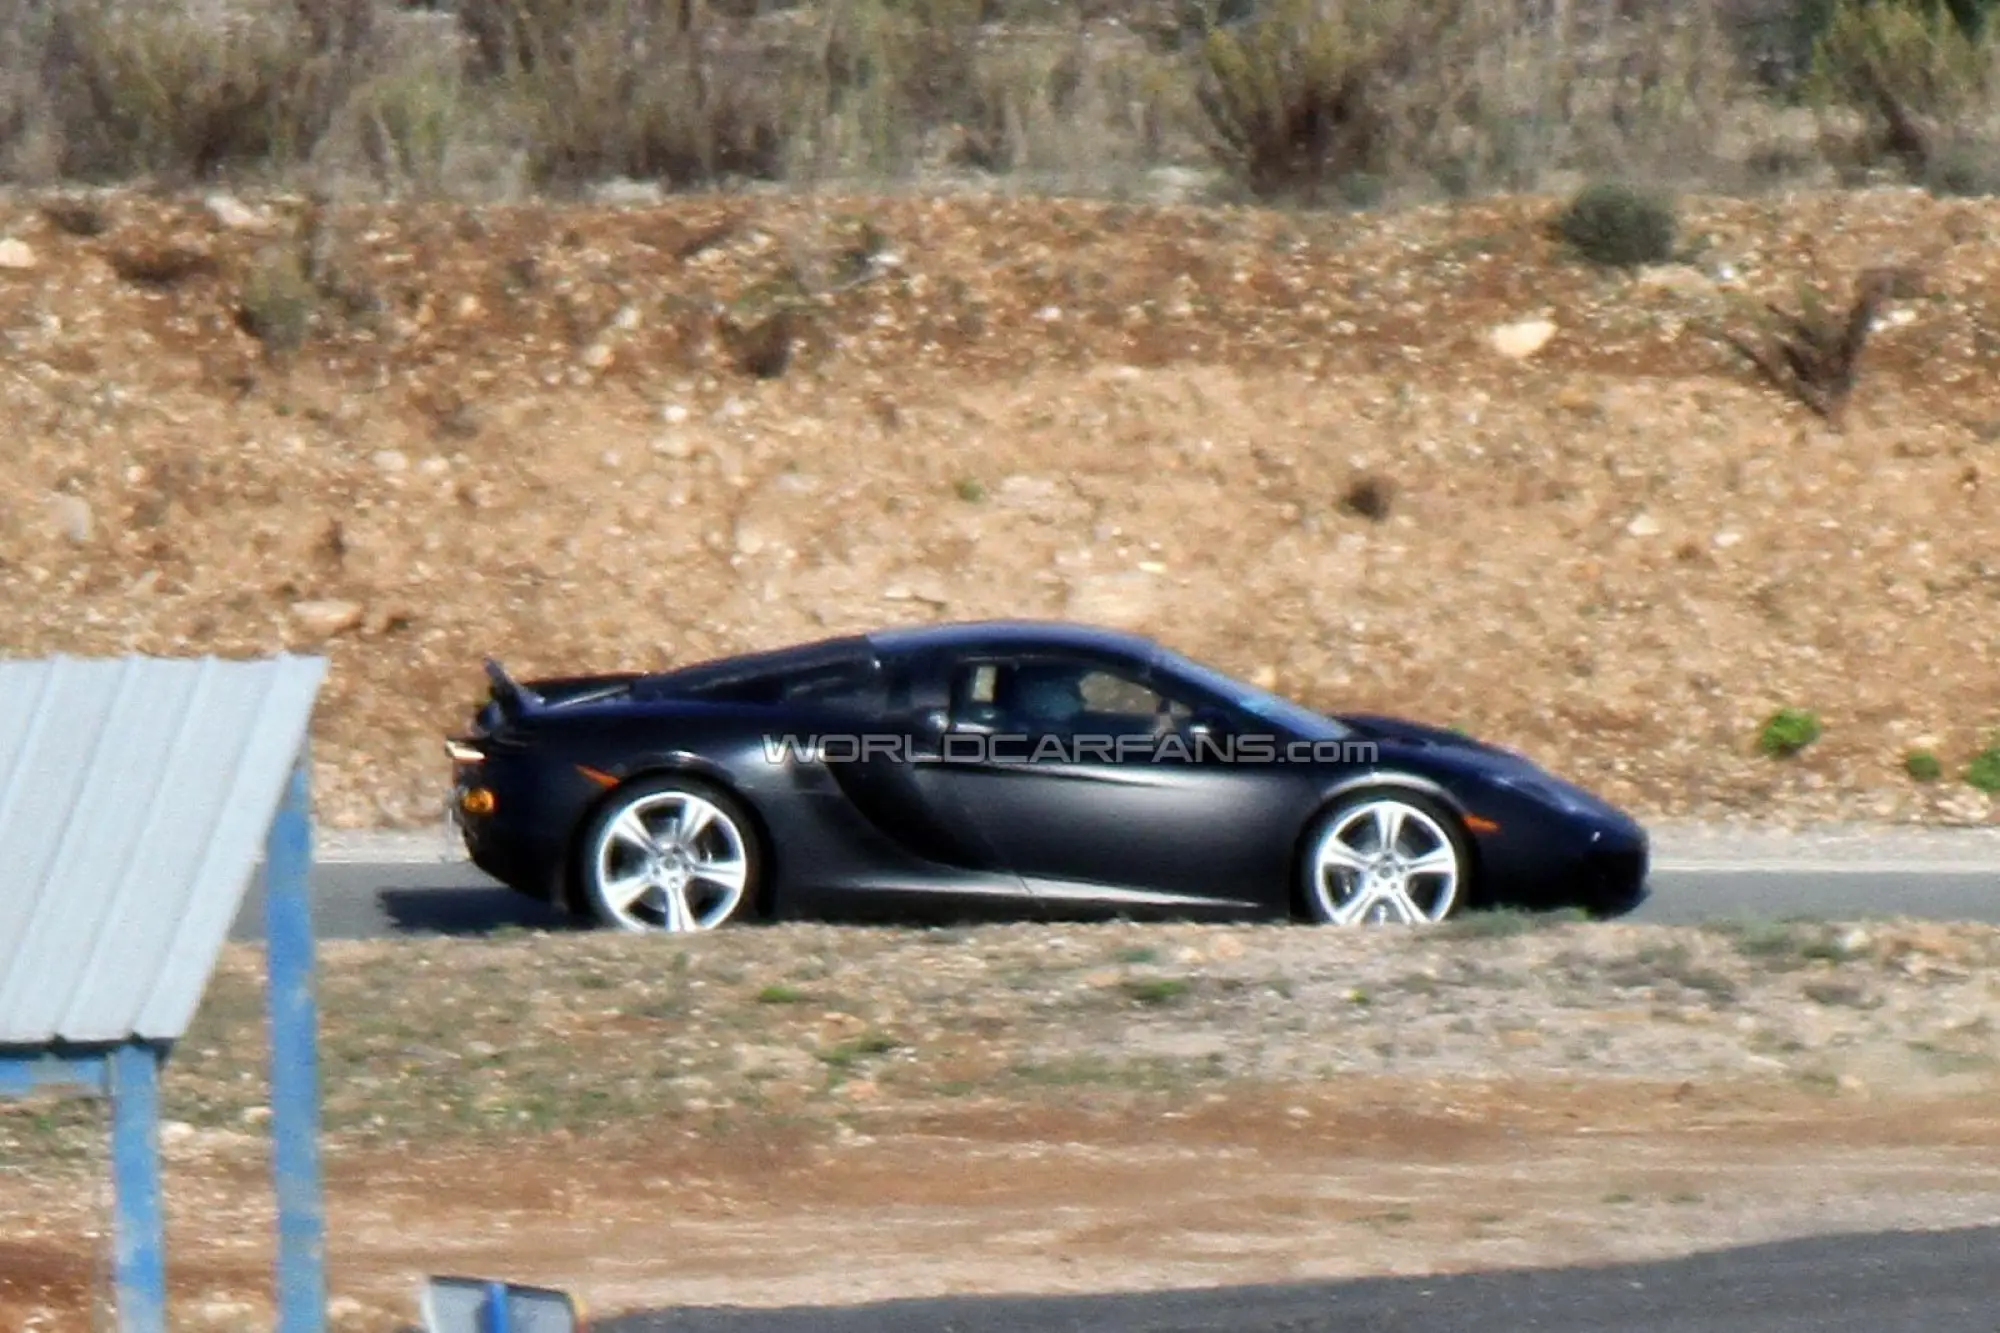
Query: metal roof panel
{"x":135,"y":794}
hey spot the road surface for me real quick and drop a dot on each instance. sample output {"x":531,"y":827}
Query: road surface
{"x":1937,"y":1282}
{"x":374,"y":886}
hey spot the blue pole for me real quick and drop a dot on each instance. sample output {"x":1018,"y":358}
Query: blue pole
{"x":288,"y":930}
{"x":135,"y":1170}
{"x":498,"y":1317}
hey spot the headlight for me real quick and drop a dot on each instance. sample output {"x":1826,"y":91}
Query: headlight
{"x":1569,"y":799}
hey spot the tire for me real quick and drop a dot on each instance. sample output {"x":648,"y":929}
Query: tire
{"x":1347,"y":879}
{"x":636,"y":874}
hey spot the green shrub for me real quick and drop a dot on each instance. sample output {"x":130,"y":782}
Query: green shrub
{"x":278,"y":302}
{"x":1917,"y":71}
{"x":1619,"y":226}
{"x":1788,"y":731}
{"x":1923,"y":766}
{"x":1983,"y":772}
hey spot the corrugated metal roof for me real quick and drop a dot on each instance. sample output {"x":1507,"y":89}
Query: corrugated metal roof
{"x":135,"y":796}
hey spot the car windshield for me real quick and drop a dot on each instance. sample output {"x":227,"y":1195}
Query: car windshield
{"x":1274,"y":709}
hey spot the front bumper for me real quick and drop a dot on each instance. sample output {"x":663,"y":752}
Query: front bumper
{"x":1611,"y":874}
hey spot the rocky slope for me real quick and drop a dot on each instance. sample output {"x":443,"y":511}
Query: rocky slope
{"x":1423,"y":462}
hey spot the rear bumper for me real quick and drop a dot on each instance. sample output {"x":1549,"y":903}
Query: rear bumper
{"x":526,"y":864}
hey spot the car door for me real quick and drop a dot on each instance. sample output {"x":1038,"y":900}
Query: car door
{"x":883,"y":771}
{"x":1097,"y":804}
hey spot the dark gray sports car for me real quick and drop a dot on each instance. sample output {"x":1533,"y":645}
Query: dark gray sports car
{"x":1029,"y":767}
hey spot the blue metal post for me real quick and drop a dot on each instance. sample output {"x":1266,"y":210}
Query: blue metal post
{"x":288,"y":933}
{"x":135,"y":1169}
{"x":498,"y":1316}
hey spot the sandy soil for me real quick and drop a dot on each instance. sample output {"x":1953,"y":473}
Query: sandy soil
{"x":1290,"y":444}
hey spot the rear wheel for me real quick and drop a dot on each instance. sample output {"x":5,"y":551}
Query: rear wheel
{"x":1384,"y":857}
{"x":669,"y":854}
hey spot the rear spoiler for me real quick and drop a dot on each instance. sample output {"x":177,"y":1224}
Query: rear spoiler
{"x":511,"y":695}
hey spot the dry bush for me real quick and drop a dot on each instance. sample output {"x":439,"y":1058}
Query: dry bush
{"x":1309,"y":94}
{"x":1815,"y":355}
{"x":1466,"y":96}
{"x":606,"y":88}
{"x":150,"y":87}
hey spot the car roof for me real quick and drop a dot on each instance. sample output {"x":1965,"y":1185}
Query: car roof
{"x":1014,"y":636}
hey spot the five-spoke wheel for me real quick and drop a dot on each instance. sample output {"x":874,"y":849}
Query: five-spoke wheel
{"x":1384,"y":857}
{"x":668,"y":854}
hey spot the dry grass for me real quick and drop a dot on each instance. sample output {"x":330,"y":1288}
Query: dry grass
{"x":1336,"y":101}
{"x":472,"y":1041}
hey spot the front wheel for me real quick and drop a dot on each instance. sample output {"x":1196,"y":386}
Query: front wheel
{"x":1384,"y":857}
{"x":668,"y":854}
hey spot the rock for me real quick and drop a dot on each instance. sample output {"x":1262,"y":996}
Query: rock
{"x":1722,"y":541}
{"x":224,"y":1312}
{"x":673,"y":446}
{"x":1124,"y":601}
{"x":1677,"y":279}
{"x":920,"y":590}
{"x":1523,"y":339}
{"x":598,"y":356}
{"x":72,"y":517}
{"x":387,"y":620}
{"x":1644,"y":525}
{"x":175,"y":1131}
{"x":673,"y":414}
{"x":324,"y":619}
{"x":233,"y":214}
{"x":1021,"y":491}
{"x":17,"y":255}
{"x":1265,"y":677}
{"x":624,"y":192}
{"x":391,"y":460}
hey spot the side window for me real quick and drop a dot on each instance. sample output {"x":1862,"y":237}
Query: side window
{"x":855,"y":688}
{"x":975,"y":695}
{"x":1117,"y":699}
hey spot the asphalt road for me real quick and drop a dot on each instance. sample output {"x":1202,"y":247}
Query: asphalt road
{"x":377,"y":899}
{"x":1938,"y":1282}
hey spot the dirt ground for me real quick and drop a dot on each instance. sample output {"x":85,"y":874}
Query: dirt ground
{"x":1371,"y":1177}
{"x":811,"y":1114}
{"x":1333,"y":452}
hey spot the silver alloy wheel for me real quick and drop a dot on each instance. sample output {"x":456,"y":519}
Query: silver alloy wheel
{"x":669,"y":861}
{"x":1383,"y":860}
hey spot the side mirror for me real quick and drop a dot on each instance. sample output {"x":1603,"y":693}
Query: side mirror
{"x":932,"y":723}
